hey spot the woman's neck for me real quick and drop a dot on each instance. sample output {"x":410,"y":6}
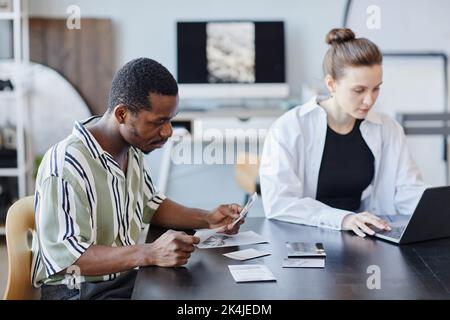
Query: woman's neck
{"x":337,"y":119}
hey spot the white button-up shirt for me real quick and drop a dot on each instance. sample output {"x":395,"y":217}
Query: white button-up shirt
{"x":291,"y":161}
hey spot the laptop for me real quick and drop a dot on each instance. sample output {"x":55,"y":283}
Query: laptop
{"x":430,"y":220}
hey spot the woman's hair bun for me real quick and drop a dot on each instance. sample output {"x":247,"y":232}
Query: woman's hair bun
{"x":339,"y":35}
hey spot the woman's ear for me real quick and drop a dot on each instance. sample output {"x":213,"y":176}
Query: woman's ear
{"x":330,"y":84}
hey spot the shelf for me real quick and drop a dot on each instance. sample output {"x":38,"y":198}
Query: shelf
{"x":18,"y":69}
{"x":9,"y":172}
{"x":7,"y":15}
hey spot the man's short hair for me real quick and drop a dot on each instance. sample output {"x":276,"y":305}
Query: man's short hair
{"x":134,"y":82}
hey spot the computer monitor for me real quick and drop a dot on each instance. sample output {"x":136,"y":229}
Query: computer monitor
{"x":231,"y":59}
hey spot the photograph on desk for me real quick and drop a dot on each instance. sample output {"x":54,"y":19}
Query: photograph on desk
{"x":200,"y":154}
{"x":304,"y":255}
{"x":246,"y":254}
{"x":231,"y":240}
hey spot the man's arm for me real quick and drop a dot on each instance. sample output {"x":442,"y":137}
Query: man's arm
{"x":174,"y":215}
{"x":101,"y":260}
{"x":170,"y":250}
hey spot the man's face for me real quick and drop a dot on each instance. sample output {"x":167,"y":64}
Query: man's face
{"x":149,"y":130}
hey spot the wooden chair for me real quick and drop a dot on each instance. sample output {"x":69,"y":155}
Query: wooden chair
{"x":19,"y":227}
{"x":247,"y":172}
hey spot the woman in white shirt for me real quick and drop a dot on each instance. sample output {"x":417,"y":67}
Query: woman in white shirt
{"x":333,"y":162}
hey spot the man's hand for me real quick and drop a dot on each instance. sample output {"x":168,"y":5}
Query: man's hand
{"x":224,"y":215}
{"x":358,"y":223}
{"x":172,"y":249}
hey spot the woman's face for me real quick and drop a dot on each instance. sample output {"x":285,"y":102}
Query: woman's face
{"x":357,"y":91}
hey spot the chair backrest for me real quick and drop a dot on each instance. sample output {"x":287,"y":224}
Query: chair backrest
{"x":19,"y":224}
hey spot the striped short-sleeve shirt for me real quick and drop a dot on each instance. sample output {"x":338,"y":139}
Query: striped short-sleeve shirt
{"x":82,"y":198}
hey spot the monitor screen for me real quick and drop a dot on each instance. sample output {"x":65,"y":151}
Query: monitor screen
{"x":229,"y":54}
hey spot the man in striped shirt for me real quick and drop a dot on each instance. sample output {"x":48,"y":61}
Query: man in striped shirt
{"x":94,"y":195}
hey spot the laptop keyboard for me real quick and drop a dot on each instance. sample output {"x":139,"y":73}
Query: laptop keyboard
{"x":395,"y":233}
{"x":397,"y":224}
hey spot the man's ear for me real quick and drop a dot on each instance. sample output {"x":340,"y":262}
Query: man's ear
{"x":120,"y":113}
{"x":330,"y":83}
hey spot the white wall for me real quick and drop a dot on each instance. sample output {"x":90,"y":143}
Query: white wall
{"x":147,"y":28}
{"x":405,"y":24}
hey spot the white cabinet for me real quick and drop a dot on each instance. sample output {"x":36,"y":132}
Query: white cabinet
{"x":235,"y":122}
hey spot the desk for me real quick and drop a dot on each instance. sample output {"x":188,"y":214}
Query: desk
{"x":417,"y":271}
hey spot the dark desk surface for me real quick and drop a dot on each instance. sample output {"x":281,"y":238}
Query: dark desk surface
{"x":416,"y":271}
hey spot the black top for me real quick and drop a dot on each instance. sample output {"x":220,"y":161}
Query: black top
{"x":347,"y":168}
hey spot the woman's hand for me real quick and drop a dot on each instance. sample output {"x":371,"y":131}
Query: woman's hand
{"x":358,"y":223}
